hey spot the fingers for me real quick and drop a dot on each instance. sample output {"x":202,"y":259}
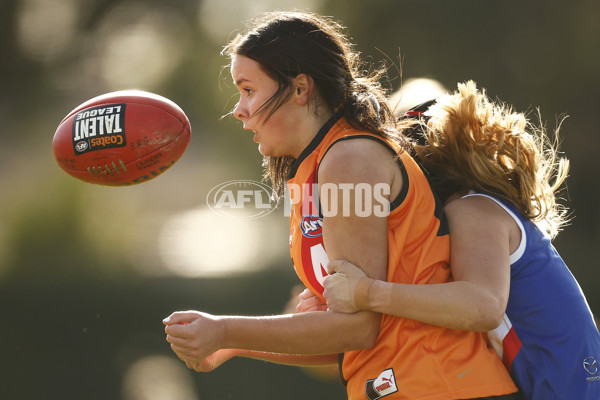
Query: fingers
{"x":345,"y":268}
{"x":310,"y":302}
{"x":339,"y":292}
{"x":180,"y":353}
{"x":187,"y":354}
{"x":306,"y":294}
{"x":177,"y":341}
{"x":331,"y":280}
{"x":206,"y":365}
{"x":181,"y":332}
{"x":181,"y":317}
{"x":178,"y":331}
{"x":334,"y":266}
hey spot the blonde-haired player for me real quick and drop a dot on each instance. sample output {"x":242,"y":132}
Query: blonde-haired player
{"x":498,"y":175}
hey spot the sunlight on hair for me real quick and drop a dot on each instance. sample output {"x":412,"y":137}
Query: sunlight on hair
{"x":221,"y":19}
{"x":413,"y":92}
{"x":201,"y":243}
{"x":45,"y":27}
{"x":158,"y":378}
{"x":140,"y":46}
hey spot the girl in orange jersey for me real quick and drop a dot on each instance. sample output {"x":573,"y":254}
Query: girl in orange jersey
{"x":327,"y":132}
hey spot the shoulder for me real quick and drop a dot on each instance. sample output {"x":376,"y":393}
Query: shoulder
{"x":358,"y":157}
{"x":481,"y":213}
{"x":479,"y":206}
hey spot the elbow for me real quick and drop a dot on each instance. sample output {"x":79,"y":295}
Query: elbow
{"x":364,"y":335}
{"x":490,"y":316}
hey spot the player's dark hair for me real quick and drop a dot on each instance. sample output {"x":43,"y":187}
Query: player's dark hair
{"x":287,"y":44}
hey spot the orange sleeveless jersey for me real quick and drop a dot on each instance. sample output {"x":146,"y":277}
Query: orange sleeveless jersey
{"x":411,"y":360}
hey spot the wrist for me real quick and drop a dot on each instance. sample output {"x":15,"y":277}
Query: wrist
{"x":380,"y":295}
{"x":361,"y":294}
{"x":223,"y":342}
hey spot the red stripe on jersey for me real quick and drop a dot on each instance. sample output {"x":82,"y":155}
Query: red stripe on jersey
{"x":308,"y":263}
{"x":511,"y":345}
{"x":310,"y":206}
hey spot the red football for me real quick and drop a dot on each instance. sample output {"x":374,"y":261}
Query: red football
{"x":121,"y":138}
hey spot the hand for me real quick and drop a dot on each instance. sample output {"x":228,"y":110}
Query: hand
{"x":195,"y":337}
{"x":340,"y":286}
{"x":310,"y":302}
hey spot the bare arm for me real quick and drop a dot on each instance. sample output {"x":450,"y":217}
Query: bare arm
{"x":203,"y":334}
{"x":360,"y":239}
{"x":482,"y":238}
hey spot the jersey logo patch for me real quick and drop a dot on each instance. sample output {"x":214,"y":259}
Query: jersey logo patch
{"x":591,"y":366}
{"x":311,"y":225}
{"x":383,"y":385}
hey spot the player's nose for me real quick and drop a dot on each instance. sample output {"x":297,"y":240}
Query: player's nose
{"x":240,"y":112}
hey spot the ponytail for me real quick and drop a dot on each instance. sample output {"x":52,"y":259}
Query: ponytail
{"x":473,"y":143}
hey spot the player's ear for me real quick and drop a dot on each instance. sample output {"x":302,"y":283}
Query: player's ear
{"x":303,"y":88}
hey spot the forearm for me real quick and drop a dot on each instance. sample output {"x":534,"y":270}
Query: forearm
{"x":308,"y":333}
{"x":457,"y":305}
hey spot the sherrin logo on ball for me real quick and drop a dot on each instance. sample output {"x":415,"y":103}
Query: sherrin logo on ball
{"x":121,"y":138}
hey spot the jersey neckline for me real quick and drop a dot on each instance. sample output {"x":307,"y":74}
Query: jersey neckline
{"x":314,"y":143}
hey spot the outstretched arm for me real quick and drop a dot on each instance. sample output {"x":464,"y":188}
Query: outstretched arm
{"x":363,"y":240}
{"x":309,"y":302}
{"x":482,"y":238}
{"x":204,"y":333}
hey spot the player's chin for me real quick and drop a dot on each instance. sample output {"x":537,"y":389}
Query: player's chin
{"x":269,"y":151}
{"x":265,"y":150}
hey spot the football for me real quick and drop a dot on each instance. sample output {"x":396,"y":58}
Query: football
{"x":121,"y":138}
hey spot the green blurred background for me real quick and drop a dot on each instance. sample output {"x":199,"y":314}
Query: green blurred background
{"x":88,"y":272}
